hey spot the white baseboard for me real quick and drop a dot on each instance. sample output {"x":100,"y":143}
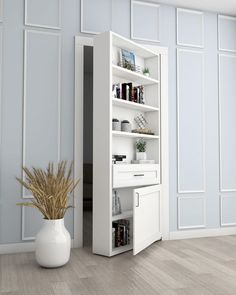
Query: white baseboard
{"x":174,"y":235}
{"x":23,"y":247}
{"x":202,"y":233}
{"x":17,"y":248}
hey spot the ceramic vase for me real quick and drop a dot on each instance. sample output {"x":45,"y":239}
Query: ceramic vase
{"x":141,"y":156}
{"x":53,"y":244}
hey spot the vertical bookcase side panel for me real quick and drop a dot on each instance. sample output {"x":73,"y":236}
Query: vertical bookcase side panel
{"x":164,"y":146}
{"x":102,"y":146}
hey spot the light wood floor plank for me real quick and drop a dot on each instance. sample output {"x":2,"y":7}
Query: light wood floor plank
{"x":190,"y":267}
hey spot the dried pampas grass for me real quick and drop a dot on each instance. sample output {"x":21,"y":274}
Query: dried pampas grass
{"x":50,"y":189}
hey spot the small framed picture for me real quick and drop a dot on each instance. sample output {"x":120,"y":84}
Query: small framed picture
{"x":127,"y":59}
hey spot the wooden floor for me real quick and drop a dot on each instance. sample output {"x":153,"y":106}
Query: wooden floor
{"x":197,"y":266}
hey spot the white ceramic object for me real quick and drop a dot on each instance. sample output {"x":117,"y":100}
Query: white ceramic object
{"x":53,"y":243}
{"x":141,"y":156}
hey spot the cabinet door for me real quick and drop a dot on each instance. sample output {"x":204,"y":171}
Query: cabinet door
{"x":146,"y":217}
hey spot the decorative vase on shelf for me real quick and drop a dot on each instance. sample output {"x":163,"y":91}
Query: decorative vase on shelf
{"x":53,"y":243}
{"x":146,"y":72}
{"x":141,"y":149}
{"x":141,"y":156}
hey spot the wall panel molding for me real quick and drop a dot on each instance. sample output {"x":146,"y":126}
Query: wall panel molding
{"x":194,"y":32}
{"x":226,"y":33}
{"x":24,"y":236}
{"x":41,"y":89}
{"x":121,"y":10}
{"x":1,"y":99}
{"x":226,"y":141}
{"x":105,"y":16}
{"x":42,"y":7}
{"x":1,"y":10}
{"x":191,"y":211}
{"x":148,"y":21}
{"x":231,"y":206}
{"x":191,"y":108}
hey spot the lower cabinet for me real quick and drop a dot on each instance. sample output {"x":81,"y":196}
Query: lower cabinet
{"x":137,"y":224}
{"x":146,"y":217}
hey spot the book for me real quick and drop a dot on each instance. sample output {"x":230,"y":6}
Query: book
{"x":120,"y":233}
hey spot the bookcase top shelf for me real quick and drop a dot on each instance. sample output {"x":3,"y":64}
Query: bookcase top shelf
{"x":133,"y":135}
{"x":131,"y":76}
{"x":129,"y":45}
{"x":133,"y":105}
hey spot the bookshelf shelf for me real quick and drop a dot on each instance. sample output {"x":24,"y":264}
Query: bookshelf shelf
{"x":133,"y":105}
{"x":124,"y":215}
{"x":131,"y":76}
{"x":134,"y":135}
{"x":121,"y":249}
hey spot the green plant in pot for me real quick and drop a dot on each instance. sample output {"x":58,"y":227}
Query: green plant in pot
{"x":146,"y":72}
{"x":141,"y":146}
{"x":51,"y":189}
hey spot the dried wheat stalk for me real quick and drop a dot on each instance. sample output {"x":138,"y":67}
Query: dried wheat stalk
{"x":50,"y":189}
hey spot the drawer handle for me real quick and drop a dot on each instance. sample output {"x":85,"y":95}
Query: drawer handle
{"x":138,"y":174}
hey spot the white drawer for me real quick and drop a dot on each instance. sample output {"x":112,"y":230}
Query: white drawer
{"x":135,"y":174}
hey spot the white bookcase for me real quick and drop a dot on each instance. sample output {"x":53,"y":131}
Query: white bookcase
{"x":139,"y":186}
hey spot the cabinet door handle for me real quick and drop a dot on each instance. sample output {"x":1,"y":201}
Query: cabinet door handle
{"x":137,"y":200}
{"x":138,"y":174}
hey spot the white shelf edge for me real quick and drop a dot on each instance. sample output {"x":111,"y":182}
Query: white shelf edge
{"x":134,"y":45}
{"x":125,"y":214}
{"x":137,"y":76}
{"x":133,"y":105}
{"x":121,"y":249}
{"x":133,"y":135}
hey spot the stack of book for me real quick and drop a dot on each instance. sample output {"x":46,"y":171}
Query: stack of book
{"x":119,"y":159}
{"x":121,"y":234}
{"x":126,"y":91}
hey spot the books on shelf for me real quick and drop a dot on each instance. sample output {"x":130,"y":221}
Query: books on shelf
{"x":119,"y":159}
{"x":126,"y":91}
{"x":121,"y":233}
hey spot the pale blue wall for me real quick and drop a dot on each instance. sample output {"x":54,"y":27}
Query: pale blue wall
{"x":114,"y":15}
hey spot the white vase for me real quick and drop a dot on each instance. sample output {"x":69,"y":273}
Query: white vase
{"x":141,"y":156}
{"x":53,"y":243}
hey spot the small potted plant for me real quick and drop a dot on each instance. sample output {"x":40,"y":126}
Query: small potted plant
{"x":146,"y":72}
{"x":51,"y":190}
{"x":141,"y":150}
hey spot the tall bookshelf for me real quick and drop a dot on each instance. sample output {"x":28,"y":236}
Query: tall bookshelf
{"x":139,"y":186}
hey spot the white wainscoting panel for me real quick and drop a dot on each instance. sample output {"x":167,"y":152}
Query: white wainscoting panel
{"x":227,"y":210}
{"x":190,"y":28}
{"x":1,"y":10}
{"x":145,"y":21}
{"x":226,"y":33}
{"x":191,"y":212}
{"x":190,"y":121}
{"x":121,"y":11}
{"x":41,"y":119}
{"x":32,"y":221}
{"x":95,"y":16}
{"x":1,"y":56}
{"x":227,"y":118}
{"x":43,"y":13}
